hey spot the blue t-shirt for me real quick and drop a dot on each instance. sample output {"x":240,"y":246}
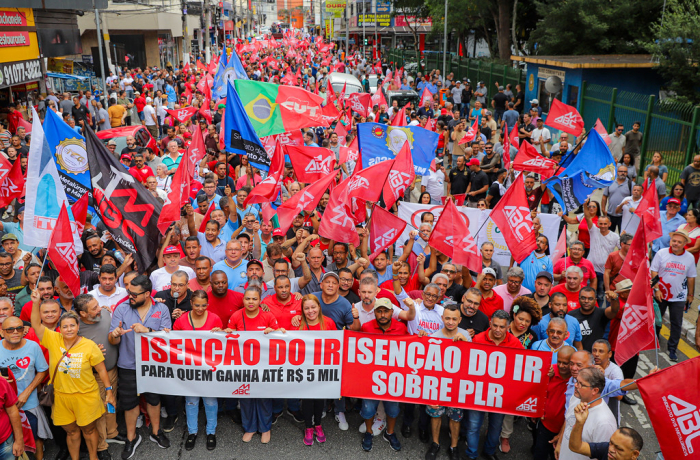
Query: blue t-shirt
{"x":157,"y":318}
{"x":572,"y":326}
{"x":339,"y":311}
{"x":541,"y":345}
{"x":25,"y":362}
{"x":599,"y":450}
{"x":238,"y":275}
{"x":532,"y":265}
{"x":388,"y":274}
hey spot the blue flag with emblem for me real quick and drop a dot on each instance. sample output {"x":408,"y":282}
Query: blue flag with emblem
{"x":240,"y":136}
{"x":238,"y":72}
{"x":378,"y":142}
{"x":218,"y":89}
{"x":592,"y":168}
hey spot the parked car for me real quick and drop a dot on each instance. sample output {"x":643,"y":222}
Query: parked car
{"x":403,"y":97}
{"x":373,"y":83}
{"x":119,"y":135}
{"x":339,"y":79}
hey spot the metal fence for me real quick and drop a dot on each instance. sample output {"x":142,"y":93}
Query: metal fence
{"x":463,"y":68}
{"x":670,"y":128}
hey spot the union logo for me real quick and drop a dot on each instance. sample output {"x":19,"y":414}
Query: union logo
{"x":72,"y":156}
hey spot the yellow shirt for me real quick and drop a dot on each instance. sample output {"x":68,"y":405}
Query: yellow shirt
{"x":75,"y":370}
{"x":116,"y":112}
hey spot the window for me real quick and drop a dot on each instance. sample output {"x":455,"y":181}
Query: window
{"x":544,"y":97}
{"x":573,"y":96}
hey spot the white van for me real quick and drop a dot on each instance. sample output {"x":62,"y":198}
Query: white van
{"x":338,"y":80}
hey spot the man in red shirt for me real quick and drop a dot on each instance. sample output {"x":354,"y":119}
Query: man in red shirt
{"x":490,"y":301}
{"x":382,"y":324}
{"x":498,"y":335}
{"x":223,"y":301}
{"x":139,"y":170}
{"x":284,"y":305}
{"x":571,"y":287}
{"x":576,"y":251}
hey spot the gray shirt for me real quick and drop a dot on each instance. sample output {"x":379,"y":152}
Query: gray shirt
{"x":157,"y":318}
{"x":511,"y":119}
{"x":440,"y":335}
{"x":103,"y":115}
{"x":98,"y":333}
{"x":616,"y":193}
{"x":67,"y":106}
{"x":153,"y":164}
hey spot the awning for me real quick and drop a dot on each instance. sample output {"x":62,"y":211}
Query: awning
{"x":66,"y":76}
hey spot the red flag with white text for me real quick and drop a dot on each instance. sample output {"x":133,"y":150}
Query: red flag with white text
{"x":336,"y":223}
{"x":305,"y":200}
{"x":636,"y":254}
{"x":513,"y":218}
{"x":183,"y":114}
{"x":400,"y":118}
{"x":401,"y":176}
{"x":179,"y":194}
{"x":79,"y":210}
{"x":310,"y":163}
{"x":425,"y":96}
{"x":564,"y":118}
{"x":514,"y":138}
{"x":378,"y":99}
{"x":360,"y":103}
{"x":637,"y":324}
{"x":351,"y":152}
{"x":528,"y":159}
{"x":451,"y":236}
{"x":12,"y":182}
{"x":61,"y":250}
{"x":649,"y":211}
{"x":384,"y":229}
{"x":602,"y":131}
{"x":207,"y":216}
{"x":266,"y":191}
{"x":471,"y":134}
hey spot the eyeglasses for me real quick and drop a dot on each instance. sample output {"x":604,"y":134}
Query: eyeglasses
{"x":579,"y":384}
{"x":135,"y":294}
{"x":14,"y":329}
{"x":449,"y":272}
{"x":430,"y":296}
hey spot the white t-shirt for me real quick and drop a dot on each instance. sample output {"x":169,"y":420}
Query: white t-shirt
{"x":367,"y":316}
{"x":293,"y":284}
{"x":599,"y":426}
{"x":148,"y":113}
{"x":601,"y":247}
{"x":674,"y":272}
{"x":126,"y":83}
{"x":630,"y":221}
{"x":613,"y":372}
{"x":161,"y":278}
{"x":434,"y":184}
{"x":544,"y":133}
{"x":426,"y":320}
{"x":109,"y":301}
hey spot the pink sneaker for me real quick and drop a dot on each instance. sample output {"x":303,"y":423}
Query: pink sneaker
{"x":320,"y":435}
{"x":309,"y":436}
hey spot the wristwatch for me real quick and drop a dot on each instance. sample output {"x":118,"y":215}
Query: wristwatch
{"x":108,"y":389}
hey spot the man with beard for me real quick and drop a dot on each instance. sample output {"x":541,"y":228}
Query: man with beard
{"x":178,"y":298}
{"x":454,"y":290}
{"x":347,"y":280}
{"x":193,"y":250}
{"x":12,"y":277}
{"x":139,"y":315}
{"x":254,"y":275}
{"x":46,"y":291}
{"x":543,"y":285}
{"x":223,"y":301}
{"x":559,"y":307}
{"x":473,"y":320}
{"x":107,"y":293}
{"x":340,"y":259}
{"x":92,"y":257}
{"x":490,"y":301}
{"x":281,"y":267}
{"x":94,"y":325}
{"x":536,"y":262}
{"x":368,"y":296}
{"x":593,"y":320}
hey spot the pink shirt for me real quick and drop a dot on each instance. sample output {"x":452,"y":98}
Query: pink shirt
{"x":508,"y":299}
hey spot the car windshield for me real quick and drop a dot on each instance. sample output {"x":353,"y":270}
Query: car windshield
{"x":121,"y":143}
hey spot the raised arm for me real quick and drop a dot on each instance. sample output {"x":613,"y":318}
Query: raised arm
{"x":36,"y":315}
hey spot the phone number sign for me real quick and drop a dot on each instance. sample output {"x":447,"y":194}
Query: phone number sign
{"x":16,"y":73}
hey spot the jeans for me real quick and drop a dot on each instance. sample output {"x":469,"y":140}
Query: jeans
{"x":543,"y":449}
{"x":256,"y":414}
{"x":409,"y":414}
{"x":278,"y":405}
{"x":498,"y":115}
{"x":615,"y":223}
{"x":546,"y":208}
{"x":475,"y":420}
{"x":369,"y":408}
{"x":600,"y":289}
{"x":464,"y":110}
{"x":339,"y":405}
{"x":192,"y":409}
{"x":675,"y":311}
{"x":6,"y":449}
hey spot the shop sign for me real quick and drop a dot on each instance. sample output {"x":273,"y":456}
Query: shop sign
{"x":16,"y":73}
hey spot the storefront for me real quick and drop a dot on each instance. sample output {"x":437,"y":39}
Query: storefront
{"x":20,"y":68}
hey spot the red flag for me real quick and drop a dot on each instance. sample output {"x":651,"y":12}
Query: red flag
{"x":310,"y":163}
{"x":196,"y":151}
{"x":400,"y":117}
{"x":514,"y":139}
{"x":512,"y":216}
{"x":267,"y":212}
{"x":266,"y":191}
{"x":61,"y":250}
{"x":204,"y":84}
{"x":207,"y":217}
{"x":425,"y":96}
{"x":188,"y":92}
{"x":336,"y":224}
{"x":384,"y":229}
{"x":378,"y":98}
{"x":451,"y":236}
{"x":471,"y":134}
{"x":12,"y":183}
{"x":200,"y":66}
{"x":401,"y":176}
{"x":341,"y":98}
{"x":560,"y":249}
{"x":21,"y":122}
{"x":564,"y":118}
{"x":184,"y":114}
{"x":341,"y":131}
{"x":672,"y":403}
{"x":305,"y":200}
{"x":528,"y":159}
{"x":178,"y":196}
{"x":331,"y":98}
{"x":364,"y":184}
{"x":637,"y":323}
{"x":186,"y":67}
{"x":79,"y":210}
{"x":351,"y":152}
{"x":397,"y":78}
{"x":602,"y":131}
{"x":205,"y":110}
{"x":222,"y":139}
{"x":431,"y":124}
{"x":213,"y":65}
{"x":636,"y":254}
{"x":387,"y":79}
{"x":648,"y":210}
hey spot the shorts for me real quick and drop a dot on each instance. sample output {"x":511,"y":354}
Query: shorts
{"x":128,"y":397}
{"x":369,"y":408}
{"x":81,"y":408}
{"x":453,"y":414}
{"x":141,"y":116}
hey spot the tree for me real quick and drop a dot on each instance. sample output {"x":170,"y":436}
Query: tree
{"x":463,"y":16}
{"x":417,"y":9}
{"x":677,"y":46}
{"x":578,"y":27}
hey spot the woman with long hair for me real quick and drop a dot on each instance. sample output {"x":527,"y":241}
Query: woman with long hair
{"x":657,"y":160}
{"x":677,"y":191}
{"x":628,"y":160}
{"x":692,"y":226}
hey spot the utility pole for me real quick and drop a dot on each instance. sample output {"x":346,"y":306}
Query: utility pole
{"x":99,"y":46}
{"x":207,"y":27}
{"x":347,"y":31}
{"x":444,"y":45}
{"x":185,"y":54}
{"x":376,"y":44}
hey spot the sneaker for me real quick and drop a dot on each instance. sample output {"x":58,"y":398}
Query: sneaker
{"x":320,"y":435}
{"x":275,"y":417}
{"x":130,"y":447}
{"x":296,"y":415}
{"x":366,"y":441}
{"x":504,"y":446}
{"x":673,"y":356}
{"x":190,"y":442}
{"x":531,"y":424}
{"x":168,"y":424}
{"x":139,"y":421}
{"x":423,"y":436}
{"x":323,"y":414}
{"x":392,"y":440}
{"x":343,"y":424}
{"x":163,"y":412}
{"x":432,"y":452}
{"x":309,"y":436}
{"x":118,"y":439}
{"x":378,"y":426}
{"x":160,"y":439}
{"x":211,"y":441}
{"x":104,"y":455}
{"x":453,"y":453}
{"x":363,"y":427}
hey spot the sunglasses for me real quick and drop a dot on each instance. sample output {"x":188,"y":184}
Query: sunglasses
{"x":14,"y":329}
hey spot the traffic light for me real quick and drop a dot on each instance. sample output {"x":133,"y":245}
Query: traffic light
{"x":366,"y":42}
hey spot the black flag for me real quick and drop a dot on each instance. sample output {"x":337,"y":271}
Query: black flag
{"x":129,"y":211}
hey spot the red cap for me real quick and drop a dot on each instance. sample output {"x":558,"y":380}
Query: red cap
{"x":277,"y":232}
{"x":171,"y":250}
{"x":126,"y":155}
{"x":474,"y":161}
{"x":673,"y":201}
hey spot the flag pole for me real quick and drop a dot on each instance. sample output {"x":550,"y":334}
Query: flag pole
{"x":611,"y":392}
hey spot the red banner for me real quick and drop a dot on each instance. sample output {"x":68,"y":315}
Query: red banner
{"x":672,"y":403}
{"x":422,"y":370}
{"x":471,"y":134}
{"x":648,"y":210}
{"x":564,"y":118}
{"x":360,"y":103}
{"x":61,"y":250}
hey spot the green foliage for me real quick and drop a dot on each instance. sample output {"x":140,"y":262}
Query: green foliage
{"x":578,"y":27}
{"x":677,"y":46}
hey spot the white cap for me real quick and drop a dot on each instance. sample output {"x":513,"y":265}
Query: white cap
{"x":148,"y":99}
{"x":534,"y":101}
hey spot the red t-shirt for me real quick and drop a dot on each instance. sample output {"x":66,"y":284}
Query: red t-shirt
{"x":572,"y":298}
{"x":8,"y":398}
{"x":241,"y":322}
{"x":140,"y":103}
{"x":329,"y":323}
{"x":25,"y":313}
{"x":510,"y":341}
{"x":141,"y":174}
{"x":230,"y":171}
{"x":555,"y":402}
{"x":583,"y":235}
{"x":183,"y":323}
{"x":283,"y":312}
{"x":412,"y":285}
{"x":585,"y":265}
{"x":490,"y":305}
{"x":226,"y":306}
{"x":395,"y":328}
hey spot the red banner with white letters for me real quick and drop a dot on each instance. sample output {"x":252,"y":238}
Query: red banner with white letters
{"x":424,"y":370}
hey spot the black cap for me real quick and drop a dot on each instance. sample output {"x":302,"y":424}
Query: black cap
{"x":545,"y":274}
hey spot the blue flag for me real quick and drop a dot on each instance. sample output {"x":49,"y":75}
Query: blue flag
{"x":240,"y":136}
{"x":236,"y":65}
{"x":592,"y":168}
{"x":378,"y":142}
{"x":218,"y":89}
